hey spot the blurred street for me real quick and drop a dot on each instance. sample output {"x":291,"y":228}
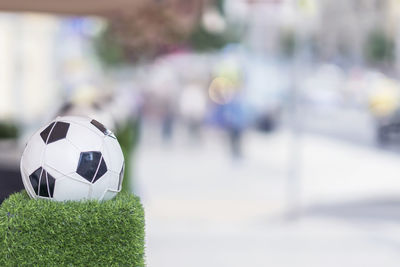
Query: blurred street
{"x":256,"y":133}
{"x":210,"y":210}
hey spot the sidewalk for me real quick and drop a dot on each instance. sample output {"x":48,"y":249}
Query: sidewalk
{"x":205,"y":209}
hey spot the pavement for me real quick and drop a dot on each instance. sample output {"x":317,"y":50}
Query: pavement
{"x":292,"y":200}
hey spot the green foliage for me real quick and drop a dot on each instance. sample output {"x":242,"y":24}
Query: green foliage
{"x":220,"y":6}
{"x":109,"y":51}
{"x":37,"y":232}
{"x":379,"y":47}
{"x":203,"y":40}
{"x":288,"y":43}
{"x":127,"y":137}
{"x":8,"y":130}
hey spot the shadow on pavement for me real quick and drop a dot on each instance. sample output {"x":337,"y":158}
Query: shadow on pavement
{"x":376,"y":209}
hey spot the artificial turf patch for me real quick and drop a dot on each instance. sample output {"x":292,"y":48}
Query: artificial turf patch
{"x":37,"y":232}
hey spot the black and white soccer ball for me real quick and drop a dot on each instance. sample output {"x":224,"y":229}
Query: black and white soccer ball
{"x":73,"y":158}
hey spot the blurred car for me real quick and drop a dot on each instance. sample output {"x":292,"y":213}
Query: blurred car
{"x":385,"y":107}
{"x":388,"y":128}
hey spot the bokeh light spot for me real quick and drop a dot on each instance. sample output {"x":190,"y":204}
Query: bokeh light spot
{"x":222,"y":90}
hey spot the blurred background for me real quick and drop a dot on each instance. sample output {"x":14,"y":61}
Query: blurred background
{"x":256,"y":132}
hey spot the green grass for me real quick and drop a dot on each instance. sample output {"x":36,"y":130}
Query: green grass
{"x":89,"y":233}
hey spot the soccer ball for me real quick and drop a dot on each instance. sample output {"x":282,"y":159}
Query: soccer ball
{"x":72,"y":158}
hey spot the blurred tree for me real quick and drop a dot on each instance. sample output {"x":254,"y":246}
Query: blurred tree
{"x":287,"y":42}
{"x":162,"y":26}
{"x":203,"y":40}
{"x":108,"y":50}
{"x":215,"y":30}
{"x":152,"y":28}
{"x":220,"y":6}
{"x":379,"y":48}
{"x":8,"y":130}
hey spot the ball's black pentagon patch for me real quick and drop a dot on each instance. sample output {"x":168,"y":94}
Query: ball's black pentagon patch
{"x":55,"y":132}
{"x":91,"y":166}
{"x":43,"y":190}
{"x":42,"y":183}
{"x":45,"y":133}
{"x":102,"y":128}
{"x":59,"y":132}
{"x":99,"y":126}
{"x":51,"y":181}
{"x":34,"y":178}
{"x":121,"y":176}
{"x":101,"y":171}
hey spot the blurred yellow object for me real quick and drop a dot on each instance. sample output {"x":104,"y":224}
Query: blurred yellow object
{"x":228,"y":80}
{"x":307,"y":6}
{"x":230,"y":71}
{"x":384,"y":99}
{"x":85,"y":94}
{"x":222,"y":90}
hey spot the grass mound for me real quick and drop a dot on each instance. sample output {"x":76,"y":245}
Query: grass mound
{"x":36,"y":232}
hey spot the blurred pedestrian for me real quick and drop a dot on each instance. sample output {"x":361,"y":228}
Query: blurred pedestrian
{"x":234,"y":120}
{"x":167,"y":122}
{"x":193,"y":104}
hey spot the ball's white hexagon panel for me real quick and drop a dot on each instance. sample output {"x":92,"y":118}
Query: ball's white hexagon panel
{"x":62,"y":156}
{"x":85,"y":122}
{"x":67,"y":188}
{"x":75,"y":119}
{"x":53,"y":172}
{"x":33,"y":153}
{"x":110,"y":181}
{"x":84,"y":139}
{"x":112,"y":154}
{"x":101,"y":185}
{"x":114,"y":181}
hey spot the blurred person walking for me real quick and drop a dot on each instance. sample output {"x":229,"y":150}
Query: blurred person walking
{"x":193,"y":105}
{"x":234,"y":119}
{"x":167,"y":122}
